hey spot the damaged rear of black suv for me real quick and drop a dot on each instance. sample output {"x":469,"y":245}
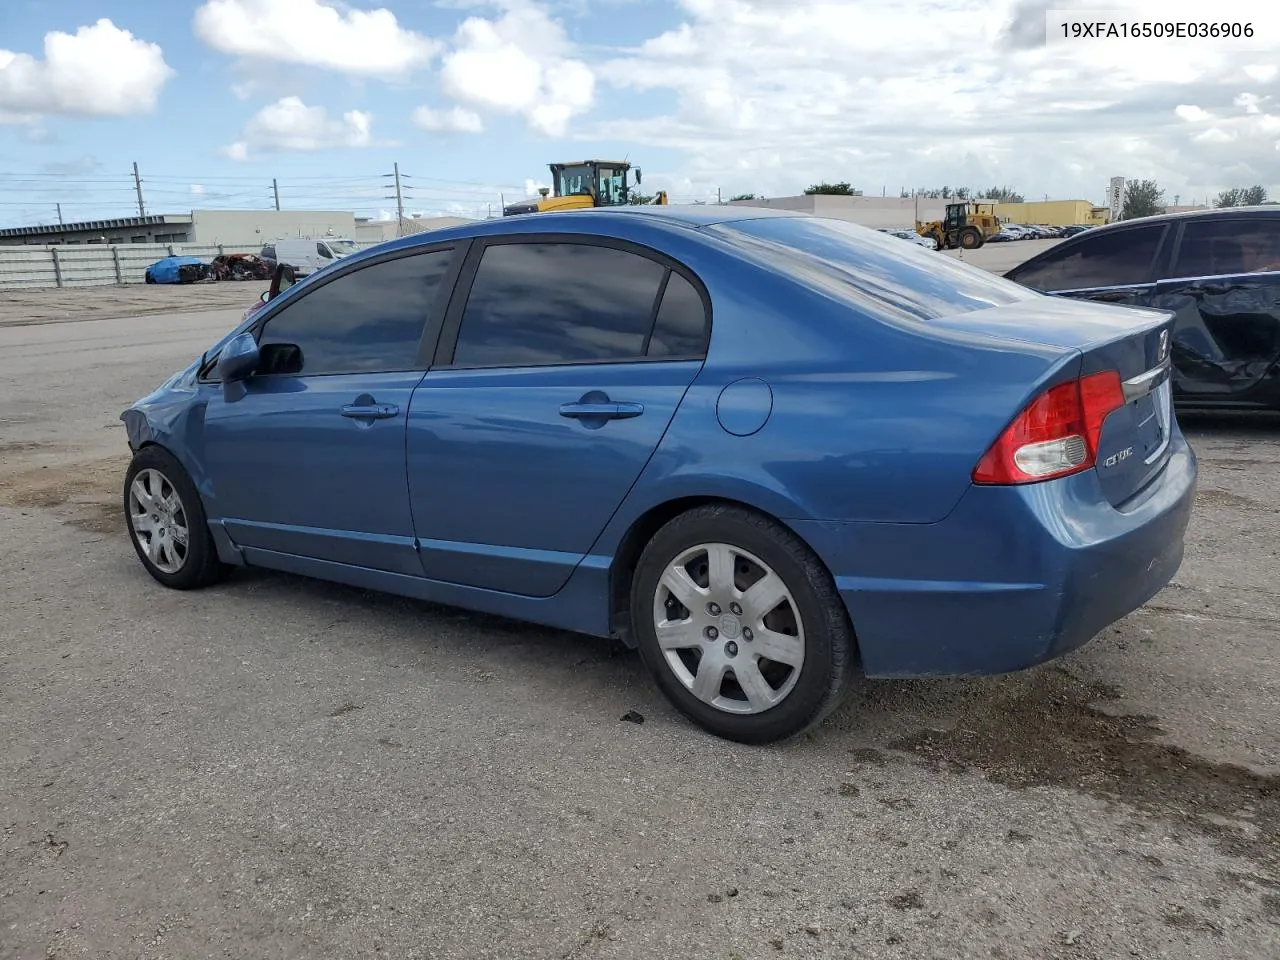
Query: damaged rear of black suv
{"x":1217,"y":270}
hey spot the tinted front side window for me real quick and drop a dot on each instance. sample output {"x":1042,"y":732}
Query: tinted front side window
{"x":368,"y":320}
{"x":1215,"y":247}
{"x":323,"y":251}
{"x":536,"y":303}
{"x":1112,"y":259}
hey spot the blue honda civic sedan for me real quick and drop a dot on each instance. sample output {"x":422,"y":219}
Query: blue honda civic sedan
{"x":764,"y":448}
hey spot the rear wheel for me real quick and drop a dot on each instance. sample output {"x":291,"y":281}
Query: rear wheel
{"x":741,"y":625}
{"x":167,"y":522}
{"x":970,"y":238}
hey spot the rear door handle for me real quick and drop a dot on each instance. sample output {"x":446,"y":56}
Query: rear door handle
{"x":601,"y":411}
{"x":370,"y":411}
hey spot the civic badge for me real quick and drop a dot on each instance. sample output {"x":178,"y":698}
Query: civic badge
{"x":1164,"y":346}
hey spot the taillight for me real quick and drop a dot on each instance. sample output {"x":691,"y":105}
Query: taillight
{"x":1056,"y":434}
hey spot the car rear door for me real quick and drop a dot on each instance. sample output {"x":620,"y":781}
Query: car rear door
{"x":561,"y":364}
{"x":1224,"y":288}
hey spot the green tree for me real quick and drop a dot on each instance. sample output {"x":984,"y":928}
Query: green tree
{"x":1142,"y":198}
{"x":999,"y":195}
{"x":744,"y":196}
{"x":1253,"y":196}
{"x":636,"y":199}
{"x":841,"y":189}
{"x":1229,"y":198}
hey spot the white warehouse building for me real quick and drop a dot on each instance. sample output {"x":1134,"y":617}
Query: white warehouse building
{"x":239,"y":229}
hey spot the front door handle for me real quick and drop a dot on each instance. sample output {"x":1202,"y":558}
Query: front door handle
{"x":370,"y":411}
{"x":608,"y":410}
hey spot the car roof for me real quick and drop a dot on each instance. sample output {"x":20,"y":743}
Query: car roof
{"x":674,"y":217}
{"x":1212,"y":213}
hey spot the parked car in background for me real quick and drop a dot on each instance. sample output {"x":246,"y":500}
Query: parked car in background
{"x":309,"y":255}
{"x":1217,"y":270}
{"x":760,"y":446}
{"x":179,"y":270}
{"x":912,"y":237}
{"x":241,"y":266}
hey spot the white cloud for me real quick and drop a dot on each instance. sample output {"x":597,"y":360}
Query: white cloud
{"x":314,"y":33}
{"x":772,"y":95}
{"x":197,"y":189}
{"x":289,"y":124}
{"x":100,"y":70}
{"x":456,"y":120}
{"x":519,"y":64}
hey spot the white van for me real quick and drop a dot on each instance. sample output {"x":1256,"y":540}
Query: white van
{"x":307,"y":255}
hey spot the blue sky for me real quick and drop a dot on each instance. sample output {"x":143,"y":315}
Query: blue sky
{"x":214,"y":98}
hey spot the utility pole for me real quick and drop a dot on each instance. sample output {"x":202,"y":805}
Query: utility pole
{"x":137,"y":183}
{"x":59,"y":206}
{"x":399,"y":198}
{"x":275,"y":188}
{"x":718,"y":200}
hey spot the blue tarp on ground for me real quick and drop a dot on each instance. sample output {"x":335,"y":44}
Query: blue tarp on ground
{"x":168,"y":270}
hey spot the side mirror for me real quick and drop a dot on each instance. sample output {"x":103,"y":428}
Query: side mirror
{"x":266,"y":296}
{"x":239,"y":359}
{"x":638,"y":175}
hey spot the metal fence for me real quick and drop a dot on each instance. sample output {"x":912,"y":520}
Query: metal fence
{"x":98,"y":264}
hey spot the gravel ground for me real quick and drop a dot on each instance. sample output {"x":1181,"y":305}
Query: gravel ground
{"x":280,"y":767}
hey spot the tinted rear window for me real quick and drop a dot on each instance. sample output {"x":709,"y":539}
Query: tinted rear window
{"x":876,"y":271}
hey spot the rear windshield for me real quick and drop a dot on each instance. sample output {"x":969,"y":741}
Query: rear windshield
{"x":876,"y":271}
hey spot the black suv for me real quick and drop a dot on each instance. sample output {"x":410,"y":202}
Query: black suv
{"x":1217,"y":270}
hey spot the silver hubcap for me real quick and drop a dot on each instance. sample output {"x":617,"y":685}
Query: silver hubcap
{"x":729,"y":628}
{"x":159,"y":520}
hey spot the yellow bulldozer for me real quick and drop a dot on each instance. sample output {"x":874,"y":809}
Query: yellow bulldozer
{"x":585,"y":183}
{"x":967,"y":225}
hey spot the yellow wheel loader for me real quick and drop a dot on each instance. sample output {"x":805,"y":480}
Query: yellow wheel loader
{"x":586,"y":183}
{"x":967,"y":226}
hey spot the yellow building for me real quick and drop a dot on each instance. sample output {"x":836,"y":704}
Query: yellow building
{"x":1052,"y":213}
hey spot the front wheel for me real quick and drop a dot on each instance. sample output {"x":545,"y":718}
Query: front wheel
{"x":970,"y":238}
{"x":741,"y":625}
{"x":167,"y":522}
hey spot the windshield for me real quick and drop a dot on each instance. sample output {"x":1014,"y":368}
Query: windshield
{"x":878,"y":271}
{"x":575,"y":179}
{"x":343,"y":246}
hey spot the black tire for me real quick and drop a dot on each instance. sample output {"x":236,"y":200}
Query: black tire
{"x":200,"y":566}
{"x":970,"y":238}
{"x":149,"y":278}
{"x":829,"y":645}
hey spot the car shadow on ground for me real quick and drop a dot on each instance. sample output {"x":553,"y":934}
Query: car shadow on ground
{"x":1043,"y":727}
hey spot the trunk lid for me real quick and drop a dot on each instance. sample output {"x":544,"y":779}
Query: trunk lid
{"x":1134,"y":341}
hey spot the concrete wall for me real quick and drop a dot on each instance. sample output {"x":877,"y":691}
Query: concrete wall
{"x":253,"y":228}
{"x":1052,"y":213}
{"x":375,"y":231}
{"x":902,"y":212}
{"x":29,"y":267}
{"x":877,"y":212}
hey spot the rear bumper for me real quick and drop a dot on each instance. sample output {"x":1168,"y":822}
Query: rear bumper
{"x":1013,"y":577}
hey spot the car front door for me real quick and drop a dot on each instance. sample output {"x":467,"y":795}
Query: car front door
{"x":1111,"y":266}
{"x":1224,"y":287}
{"x":561,"y":364}
{"x":308,"y":457}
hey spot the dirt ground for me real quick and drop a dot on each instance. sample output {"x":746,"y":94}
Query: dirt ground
{"x":280,"y":767}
